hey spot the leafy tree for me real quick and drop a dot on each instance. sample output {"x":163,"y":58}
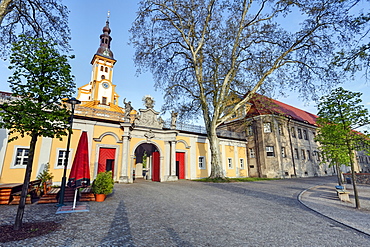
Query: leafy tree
{"x":202,"y":52}
{"x":340,"y":114}
{"x":40,"y":81}
{"x":36,"y":18}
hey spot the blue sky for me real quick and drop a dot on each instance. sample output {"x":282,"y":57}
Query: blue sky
{"x":86,"y":20}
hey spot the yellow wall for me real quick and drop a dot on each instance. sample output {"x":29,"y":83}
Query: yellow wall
{"x":242,"y":155}
{"x":201,"y":150}
{"x":16,"y":175}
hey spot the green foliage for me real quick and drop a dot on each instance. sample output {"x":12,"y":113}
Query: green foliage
{"x":45,"y":175}
{"x":201,"y":52}
{"x":103,"y":183}
{"x":40,"y":81}
{"x":340,"y":114}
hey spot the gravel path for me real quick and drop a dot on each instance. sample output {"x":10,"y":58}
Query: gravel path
{"x":188,"y":213}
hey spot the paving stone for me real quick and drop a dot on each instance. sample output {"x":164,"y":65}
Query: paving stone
{"x":186,"y":213}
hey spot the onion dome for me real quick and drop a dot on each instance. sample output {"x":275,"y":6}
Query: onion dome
{"x":105,"y":39}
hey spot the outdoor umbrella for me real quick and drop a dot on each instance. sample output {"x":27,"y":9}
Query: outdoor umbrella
{"x":80,"y":172}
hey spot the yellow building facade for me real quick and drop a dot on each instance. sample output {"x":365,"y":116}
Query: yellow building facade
{"x":130,"y":143}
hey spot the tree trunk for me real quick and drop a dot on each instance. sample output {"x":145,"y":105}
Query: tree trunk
{"x":350,"y":153}
{"x":27,"y":176}
{"x":339,"y":175}
{"x":4,"y":9}
{"x":357,"y":200}
{"x":216,"y":161}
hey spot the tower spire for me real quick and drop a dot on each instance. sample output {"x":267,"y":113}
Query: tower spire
{"x":105,"y":40}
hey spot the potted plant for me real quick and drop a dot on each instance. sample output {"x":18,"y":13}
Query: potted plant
{"x":102,"y":185}
{"x":45,"y":176}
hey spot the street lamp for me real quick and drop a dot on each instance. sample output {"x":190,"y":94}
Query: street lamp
{"x":73,"y":101}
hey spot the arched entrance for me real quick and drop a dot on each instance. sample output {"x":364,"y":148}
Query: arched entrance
{"x":148,"y":155}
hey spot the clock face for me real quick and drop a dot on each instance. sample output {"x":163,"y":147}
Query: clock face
{"x":105,"y":85}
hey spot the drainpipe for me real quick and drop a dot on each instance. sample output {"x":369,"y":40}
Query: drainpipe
{"x":291,"y":146}
{"x":257,"y":153}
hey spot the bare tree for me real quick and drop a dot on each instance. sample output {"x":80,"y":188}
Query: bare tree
{"x":35,"y":18}
{"x":202,"y":52}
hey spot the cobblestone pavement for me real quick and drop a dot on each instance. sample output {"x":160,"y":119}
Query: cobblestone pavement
{"x":188,"y":213}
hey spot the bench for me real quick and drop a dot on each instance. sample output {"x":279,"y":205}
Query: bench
{"x":34,"y":187}
{"x":33,"y":191}
{"x":6,"y":190}
{"x":342,"y":193}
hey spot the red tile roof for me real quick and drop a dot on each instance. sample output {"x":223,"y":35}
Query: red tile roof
{"x":262,"y":105}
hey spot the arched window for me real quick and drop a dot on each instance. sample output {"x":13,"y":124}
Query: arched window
{"x":106,"y":69}
{"x":101,"y":68}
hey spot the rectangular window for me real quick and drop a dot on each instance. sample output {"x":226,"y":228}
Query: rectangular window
{"x":104,"y":100}
{"x":250,"y":130}
{"x":241,"y":163}
{"x":305,"y":135}
{"x":299,"y":133}
{"x":296,"y":155}
{"x":280,"y":129}
{"x":230,"y":163}
{"x":267,"y":127}
{"x":308,"y":155}
{"x":201,"y":163}
{"x":270,"y":151}
{"x":21,"y":157}
{"x":293,"y":132}
{"x":283,"y":154}
{"x":251,"y":153}
{"x":303,"y":154}
{"x":62,"y":155}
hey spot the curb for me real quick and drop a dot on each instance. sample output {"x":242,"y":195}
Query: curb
{"x":299,"y":198}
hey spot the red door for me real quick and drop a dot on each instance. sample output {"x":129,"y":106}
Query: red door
{"x":180,"y":165}
{"x":155,"y":167}
{"x":106,"y":159}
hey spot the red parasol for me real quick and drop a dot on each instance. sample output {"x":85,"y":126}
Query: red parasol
{"x":80,"y":172}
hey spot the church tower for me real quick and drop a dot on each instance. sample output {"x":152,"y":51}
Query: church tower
{"x":100,"y":91}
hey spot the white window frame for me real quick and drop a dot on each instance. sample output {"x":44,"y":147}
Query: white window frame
{"x":230,"y":163}
{"x":305,"y":135}
{"x":296,"y":154}
{"x":201,"y":162}
{"x":15,"y":157}
{"x":283,"y":153}
{"x":270,"y":149}
{"x":280,"y":129}
{"x":250,"y":130}
{"x":303,"y":154}
{"x":267,"y":127}
{"x":57,"y":158}
{"x":252,"y":154}
{"x":308,"y":155}
{"x":299,"y":132}
{"x":292,"y":130}
{"x":241,"y":161}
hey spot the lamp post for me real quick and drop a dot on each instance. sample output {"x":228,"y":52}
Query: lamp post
{"x":73,"y":101}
